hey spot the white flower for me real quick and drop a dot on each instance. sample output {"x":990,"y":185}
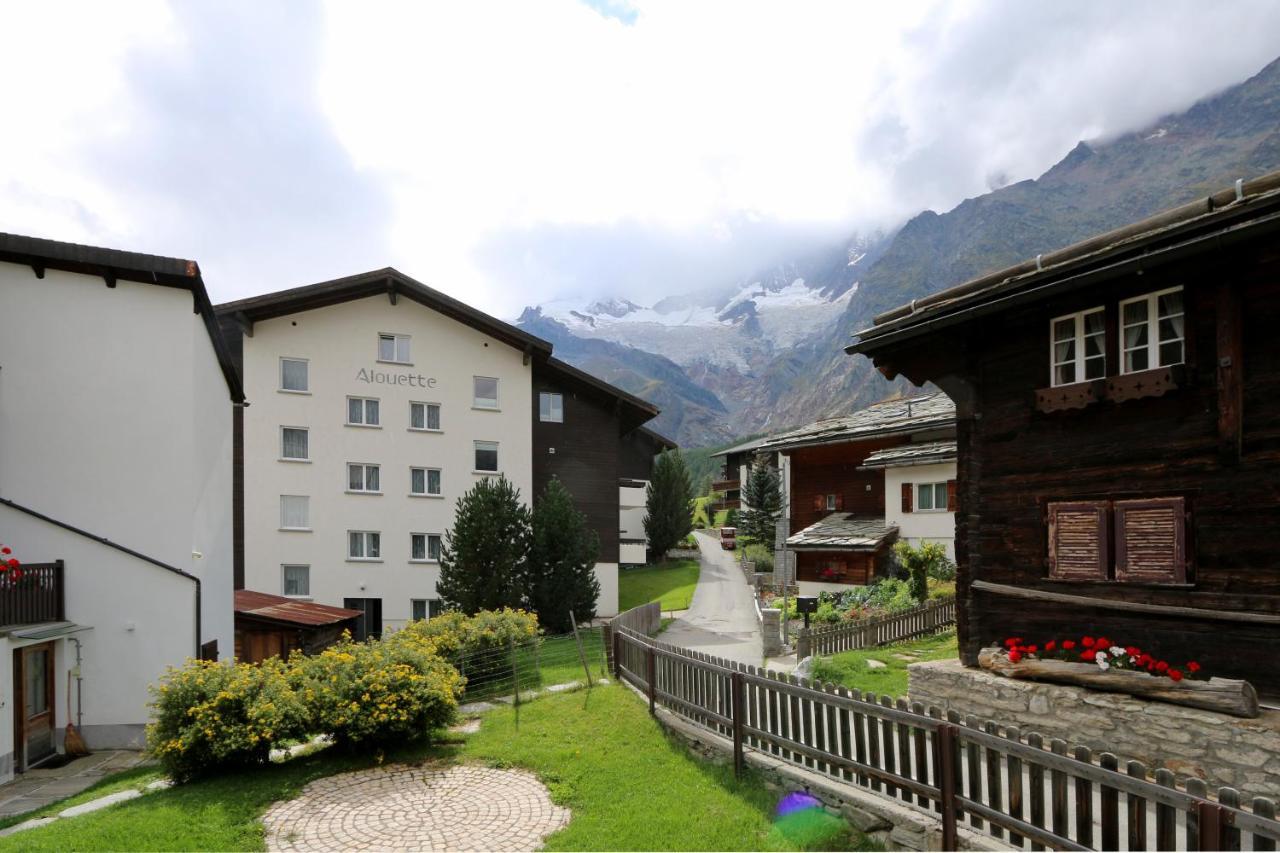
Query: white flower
{"x":1116,"y":651}
{"x":1102,"y":663}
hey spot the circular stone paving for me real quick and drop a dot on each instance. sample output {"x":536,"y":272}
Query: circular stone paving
{"x":417,"y":808}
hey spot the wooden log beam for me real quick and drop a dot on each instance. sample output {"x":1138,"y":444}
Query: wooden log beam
{"x":1224,"y":695}
{"x":1035,"y":594}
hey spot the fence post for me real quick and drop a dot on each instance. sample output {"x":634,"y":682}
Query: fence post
{"x":1210,"y":821}
{"x":616,"y":647}
{"x":515,"y":671}
{"x":582,"y":654}
{"x":945,"y":762}
{"x":804,"y":644}
{"x":651,"y":666}
{"x":737,"y":711}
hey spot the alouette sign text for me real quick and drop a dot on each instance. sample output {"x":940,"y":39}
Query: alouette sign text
{"x":381,"y":377}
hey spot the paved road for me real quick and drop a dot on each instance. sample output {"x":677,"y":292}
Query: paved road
{"x":721,"y":619}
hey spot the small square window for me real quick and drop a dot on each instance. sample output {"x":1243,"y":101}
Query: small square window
{"x":487,"y":457}
{"x":293,"y":443}
{"x":417,"y":609}
{"x":424,"y":547}
{"x":363,"y":478}
{"x":297,"y":580}
{"x":424,"y":416}
{"x":424,"y":481}
{"x":295,"y":512}
{"x":364,"y":545}
{"x":362,"y":411}
{"x":393,"y":348}
{"x":293,"y":375}
{"x":551,"y":407}
{"x":485,"y":394}
{"x":931,"y":497}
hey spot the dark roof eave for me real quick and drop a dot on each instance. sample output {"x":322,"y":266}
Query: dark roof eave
{"x":644,"y":409}
{"x":922,"y":426}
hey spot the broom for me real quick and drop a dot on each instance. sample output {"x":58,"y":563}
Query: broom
{"x":72,"y":744}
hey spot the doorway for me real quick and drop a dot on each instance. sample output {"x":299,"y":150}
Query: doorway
{"x":370,"y":624}
{"x":33,"y":720}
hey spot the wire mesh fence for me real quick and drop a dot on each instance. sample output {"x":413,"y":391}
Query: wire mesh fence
{"x":533,"y":665}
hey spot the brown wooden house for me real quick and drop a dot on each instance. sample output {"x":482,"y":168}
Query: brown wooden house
{"x":1118,"y":435}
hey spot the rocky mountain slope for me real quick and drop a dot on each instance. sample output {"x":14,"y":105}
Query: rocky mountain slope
{"x":749,"y":359}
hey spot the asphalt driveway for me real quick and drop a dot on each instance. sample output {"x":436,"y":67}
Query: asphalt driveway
{"x":721,"y":619}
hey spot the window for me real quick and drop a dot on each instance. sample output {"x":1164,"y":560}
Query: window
{"x":364,"y":545}
{"x":362,"y":411}
{"x":1078,"y":348}
{"x":295,"y":512}
{"x":424,"y":416}
{"x":1153,"y":331}
{"x":293,"y":443}
{"x":831,"y":502}
{"x":362,"y":478}
{"x":485,"y":392}
{"x":424,"y":481}
{"x":297,"y":580}
{"x":393,"y":348}
{"x":293,"y":375}
{"x":425,"y":608}
{"x":931,"y":497}
{"x":487,"y":457}
{"x":1147,"y":536}
{"x":424,"y":547}
{"x":551,"y":407}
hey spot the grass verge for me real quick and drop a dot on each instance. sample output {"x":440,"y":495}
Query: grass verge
{"x":670,"y":583}
{"x":852,"y":669}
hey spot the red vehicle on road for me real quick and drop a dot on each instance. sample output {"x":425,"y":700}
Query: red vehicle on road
{"x":728,"y":538}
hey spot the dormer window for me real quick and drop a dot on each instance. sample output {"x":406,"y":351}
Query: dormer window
{"x":1153,"y":331}
{"x":1078,"y":347}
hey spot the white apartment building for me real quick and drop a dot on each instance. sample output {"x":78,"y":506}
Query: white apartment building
{"x":375,"y":404}
{"x":116,"y":402}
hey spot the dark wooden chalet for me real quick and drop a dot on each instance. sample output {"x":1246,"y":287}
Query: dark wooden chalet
{"x":1118,"y":435}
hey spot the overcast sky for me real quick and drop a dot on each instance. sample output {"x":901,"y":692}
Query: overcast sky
{"x":509,"y":153}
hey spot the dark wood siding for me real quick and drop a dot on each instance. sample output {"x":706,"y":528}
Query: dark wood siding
{"x":832,"y":469}
{"x":850,"y":568}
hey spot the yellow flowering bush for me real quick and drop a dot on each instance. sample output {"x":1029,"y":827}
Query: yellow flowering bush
{"x":477,"y":646}
{"x":208,"y":715}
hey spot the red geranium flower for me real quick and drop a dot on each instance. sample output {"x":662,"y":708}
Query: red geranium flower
{"x":1068,"y":644}
{"x":1162,"y":666}
{"x":1132,"y":651}
{"x":1102,"y":643}
{"x":6,"y":550}
{"x":1049,"y":646}
{"x":1015,"y":656}
{"x":1176,"y":675}
{"x":1031,"y":650}
{"x":13,"y":564}
{"x":1011,"y":643}
{"x":1087,"y":642}
{"x":1088,"y":655}
{"x":1193,"y":666}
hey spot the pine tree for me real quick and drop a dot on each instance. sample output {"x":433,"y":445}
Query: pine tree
{"x":668,"y":504}
{"x":483,"y":561}
{"x":762,"y":499}
{"x":562,"y":555}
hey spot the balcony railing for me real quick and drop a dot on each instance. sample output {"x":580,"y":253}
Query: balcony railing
{"x":34,"y":593}
{"x":726,"y":485}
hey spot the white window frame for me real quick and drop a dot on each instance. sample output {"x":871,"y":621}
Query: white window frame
{"x":306,"y":458}
{"x":426,"y":482}
{"x":284,"y":580}
{"x":396,"y":341}
{"x":1152,"y":346}
{"x":426,"y":416}
{"x":553,"y":416}
{"x":831,"y":503}
{"x":306,"y":363}
{"x":426,"y":610}
{"x":364,"y":412}
{"x":497,"y":392}
{"x":427,"y":539}
{"x":364,"y":546}
{"x":304,"y":529}
{"x":364,"y":478}
{"x":936,"y":489}
{"x":1078,"y":363}
{"x":475,"y":448}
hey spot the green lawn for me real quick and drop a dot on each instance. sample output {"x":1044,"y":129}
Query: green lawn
{"x":628,"y":785}
{"x":670,"y":583}
{"x":851,"y":669}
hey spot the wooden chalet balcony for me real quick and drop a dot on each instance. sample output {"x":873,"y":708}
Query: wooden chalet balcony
{"x":726,"y":485}
{"x":38,"y":595}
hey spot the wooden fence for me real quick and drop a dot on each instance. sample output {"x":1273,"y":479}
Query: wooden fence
{"x":1011,"y":785}
{"x":927,"y":618}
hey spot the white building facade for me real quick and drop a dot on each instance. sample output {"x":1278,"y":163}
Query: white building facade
{"x":116,"y":410}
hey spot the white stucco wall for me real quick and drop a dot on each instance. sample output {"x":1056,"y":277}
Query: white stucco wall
{"x":607,"y":601}
{"x":339,"y":341}
{"x":917,"y":527}
{"x":631,"y":512}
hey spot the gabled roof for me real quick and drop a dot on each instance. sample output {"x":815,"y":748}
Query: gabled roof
{"x":844,"y":531}
{"x":289,"y":611}
{"x":746,"y":446}
{"x":929,"y":453}
{"x":112,"y":265}
{"x":389,"y":282}
{"x":639,"y":410}
{"x":1246,"y":211}
{"x":892,"y":417}
{"x":659,"y":440}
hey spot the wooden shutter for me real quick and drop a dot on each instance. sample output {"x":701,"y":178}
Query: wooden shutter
{"x":819,"y":503}
{"x":1078,"y":540}
{"x":1151,"y":540}
{"x":951,"y":495}
{"x":839,"y":502}
{"x":907,"y":492}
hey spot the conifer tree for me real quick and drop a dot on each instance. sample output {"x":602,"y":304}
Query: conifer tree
{"x":483,"y":561}
{"x":762,"y":499}
{"x":668,"y":504}
{"x":562,"y":555}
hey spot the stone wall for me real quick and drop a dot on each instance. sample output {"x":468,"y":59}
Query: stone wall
{"x":1220,"y":749}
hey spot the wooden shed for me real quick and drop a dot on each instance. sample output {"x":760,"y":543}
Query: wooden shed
{"x":274,"y":625}
{"x":1118,"y":435}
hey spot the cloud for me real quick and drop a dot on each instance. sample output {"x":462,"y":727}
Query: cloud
{"x":510,"y":152}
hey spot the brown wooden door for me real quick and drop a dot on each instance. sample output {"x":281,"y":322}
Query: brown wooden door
{"x":33,"y":687}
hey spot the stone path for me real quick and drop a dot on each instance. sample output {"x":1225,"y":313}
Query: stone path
{"x":41,"y":786}
{"x":417,"y":808}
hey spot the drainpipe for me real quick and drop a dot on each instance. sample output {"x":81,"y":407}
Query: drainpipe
{"x":79,"y":685}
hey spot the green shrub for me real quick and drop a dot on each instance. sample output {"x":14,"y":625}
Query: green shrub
{"x":478,"y":646}
{"x":827,"y":613}
{"x":761,"y":554}
{"x":209,"y":716}
{"x":920,"y":564}
{"x":379,"y":691}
